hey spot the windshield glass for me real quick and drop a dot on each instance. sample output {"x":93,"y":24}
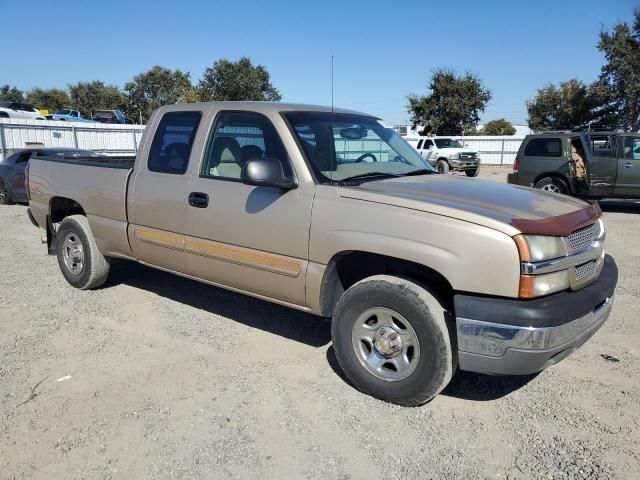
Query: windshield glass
{"x":448,"y":143}
{"x":342,"y":146}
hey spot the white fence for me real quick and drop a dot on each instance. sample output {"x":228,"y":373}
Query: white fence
{"x":115,"y":140}
{"x":124,"y":139}
{"x":500,"y":150}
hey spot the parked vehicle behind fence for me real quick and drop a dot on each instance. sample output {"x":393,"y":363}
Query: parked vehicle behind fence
{"x":68,"y":115}
{"x":449,"y":155}
{"x":19,"y":110}
{"x":583,"y":164}
{"x":330,"y":212}
{"x":110,"y":116}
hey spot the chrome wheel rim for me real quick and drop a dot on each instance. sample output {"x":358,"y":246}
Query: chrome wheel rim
{"x":551,"y":187}
{"x":73,"y":254}
{"x":385,"y":344}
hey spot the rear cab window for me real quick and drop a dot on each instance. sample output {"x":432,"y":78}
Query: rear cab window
{"x":544,"y":147}
{"x":173,"y":142}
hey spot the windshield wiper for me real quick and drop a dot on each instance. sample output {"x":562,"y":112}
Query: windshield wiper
{"x":422,"y":171}
{"x":364,"y":176}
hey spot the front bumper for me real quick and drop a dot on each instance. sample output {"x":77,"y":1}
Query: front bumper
{"x":462,"y":165}
{"x":520,"y":337}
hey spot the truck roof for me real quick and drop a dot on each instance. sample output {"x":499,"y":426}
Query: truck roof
{"x":263,"y":107}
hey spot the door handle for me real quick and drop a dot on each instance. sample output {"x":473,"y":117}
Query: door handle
{"x":627,"y":165}
{"x":198,"y":199}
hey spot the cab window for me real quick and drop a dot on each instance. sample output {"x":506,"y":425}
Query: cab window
{"x":173,"y":141}
{"x":631,"y":148}
{"x":236,"y":138}
{"x":602,"y":146}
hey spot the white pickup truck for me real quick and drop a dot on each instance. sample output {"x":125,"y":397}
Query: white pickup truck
{"x":448,"y":154}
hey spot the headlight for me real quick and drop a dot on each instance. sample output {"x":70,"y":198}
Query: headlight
{"x":535,"y":248}
{"x":455,"y":156}
{"x":532,"y":286}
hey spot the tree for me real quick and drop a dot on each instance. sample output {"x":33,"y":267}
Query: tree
{"x":571,"y":104}
{"x":50,"y":99}
{"x":150,"y":90}
{"x":241,"y":80}
{"x":621,"y":72}
{"x":498,"y":127}
{"x":91,"y":96}
{"x":11,"y":94}
{"x":452,"y":105}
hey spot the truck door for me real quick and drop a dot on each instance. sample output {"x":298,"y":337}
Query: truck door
{"x":628,"y":181}
{"x":602,"y":164}
{"x":157,"y":192}
{"x":253,"y":239}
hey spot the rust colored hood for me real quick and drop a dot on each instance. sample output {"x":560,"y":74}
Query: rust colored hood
{"x":508,"y":208}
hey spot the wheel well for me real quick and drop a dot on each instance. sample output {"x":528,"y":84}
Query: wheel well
{"x":347,"y":268}
{"x":443,"y":159}
{"x":62,"y":207}
{"x":559,"y":176}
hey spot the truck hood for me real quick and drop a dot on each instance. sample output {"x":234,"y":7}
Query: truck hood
{"x":508,"y":208}
{"x":452,"y":150}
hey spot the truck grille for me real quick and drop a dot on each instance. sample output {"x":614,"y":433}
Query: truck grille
{"x":586,"y":270}
{"x":581,"y":239}
{"x":467,"y":156}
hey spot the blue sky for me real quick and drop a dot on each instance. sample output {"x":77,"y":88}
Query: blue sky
{"x":383,"y":50}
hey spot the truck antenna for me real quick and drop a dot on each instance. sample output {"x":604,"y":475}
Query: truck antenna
{"x":331,"y":83}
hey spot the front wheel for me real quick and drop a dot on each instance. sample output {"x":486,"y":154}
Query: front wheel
{"x":442,"y":166}
{"x":472,"y":173}
{"x":552,"y":184}
{"x":391,"y":340}
{"x":80,"y":261}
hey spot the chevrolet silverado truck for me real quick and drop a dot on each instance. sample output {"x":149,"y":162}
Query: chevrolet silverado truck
{"x":330,"y":212}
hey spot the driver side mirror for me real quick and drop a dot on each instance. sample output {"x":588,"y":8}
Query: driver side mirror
{"x":267,"y":172}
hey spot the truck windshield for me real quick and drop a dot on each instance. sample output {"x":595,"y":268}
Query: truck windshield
{"x":342,"y":146}
{"x":448,"y":143}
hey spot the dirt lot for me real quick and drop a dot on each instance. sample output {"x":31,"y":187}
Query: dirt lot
{"x":154,"y":376}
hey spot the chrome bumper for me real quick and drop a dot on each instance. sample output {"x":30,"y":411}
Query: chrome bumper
{"x":494,"y":348}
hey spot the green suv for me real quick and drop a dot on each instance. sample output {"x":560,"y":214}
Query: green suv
{"x":583,"y":164}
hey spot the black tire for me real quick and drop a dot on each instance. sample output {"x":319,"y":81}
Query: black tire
{"x":5,"y":193}
{"x":552,"y":184}
{"x":425,"y":315}
{"x":472,"y":173}
{"x":93,"y":271}
{"x":442,"y":166}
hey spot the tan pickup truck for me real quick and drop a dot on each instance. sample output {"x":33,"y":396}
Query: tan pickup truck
{"x":332,"y":213}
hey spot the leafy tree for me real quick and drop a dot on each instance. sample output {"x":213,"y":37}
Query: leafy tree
{"x":190,"y":95}
{"x":571,"y":104}
{"x":498,"y":127}
{"x":452,"y":105}
{"x":91,"y":96}
{"x":621,"y":72}
{"x":11,"y":94}
{"x":51,"y":99}
{"x":150,"y":90}
{"x":241,"y":80}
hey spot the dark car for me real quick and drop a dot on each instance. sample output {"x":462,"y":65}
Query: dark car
{"x":583,"y":164}
{"x":12,"y":169}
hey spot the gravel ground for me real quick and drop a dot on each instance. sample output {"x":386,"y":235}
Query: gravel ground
{"x":154,"y":376}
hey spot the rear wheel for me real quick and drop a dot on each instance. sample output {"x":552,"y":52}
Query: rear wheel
{"x":5,"y":194}
{"x":80,"y":261}
{"x":552,"y":184}
{"x":442,"y":166}
{"x":391,"y":340}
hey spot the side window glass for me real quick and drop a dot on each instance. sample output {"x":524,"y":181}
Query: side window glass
{"x":419,"y":144}
{"x":632,"y":148}
{"x":173,"y":141}
{"x":23,"y":158}
{"x":428,"y":144}
{"x":602,"y":146}
{"x":543,"y":147}
{"x":236,"y":138}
